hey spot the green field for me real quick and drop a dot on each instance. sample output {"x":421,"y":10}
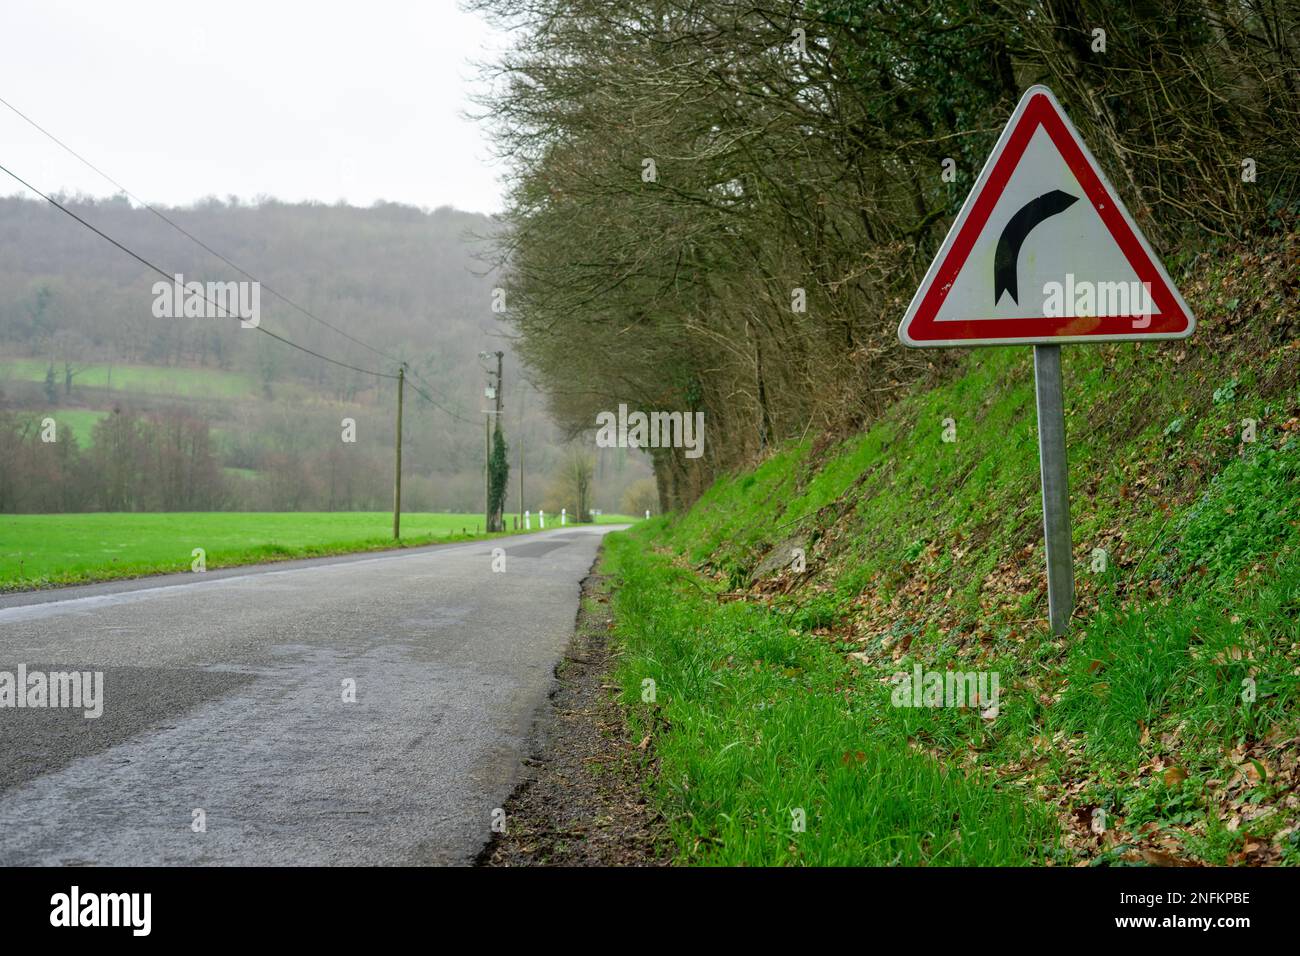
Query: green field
{"x":44,"y":550}
{"x":80,"y":421}
{"x":148,"y":379}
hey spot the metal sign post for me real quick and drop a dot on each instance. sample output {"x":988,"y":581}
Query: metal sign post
{"x":1056,"y":485}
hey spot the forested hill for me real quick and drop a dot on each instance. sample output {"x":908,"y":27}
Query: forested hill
{"x":238,"y":419}
{"x":743,"y":200}
{"x":399,"y":278}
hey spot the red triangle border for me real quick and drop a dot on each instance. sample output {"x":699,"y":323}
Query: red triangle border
{"x":1172,"y":319}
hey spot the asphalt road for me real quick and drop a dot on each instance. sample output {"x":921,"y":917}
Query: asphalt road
{"x":224,"y":692}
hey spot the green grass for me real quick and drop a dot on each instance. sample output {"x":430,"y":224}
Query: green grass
{"x":759,"y":709}
{"x":80,"y":421}
{"x":149,"y":379}
{"x":41,"y":550}
{"x":1173,"y":705}
{"x":755,"y":723}
{"x":617,"y":519}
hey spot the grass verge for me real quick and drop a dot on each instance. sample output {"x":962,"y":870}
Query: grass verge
{"x":769,"y":752}
{"x":50,"y":550}
{"x":1163,"y":729}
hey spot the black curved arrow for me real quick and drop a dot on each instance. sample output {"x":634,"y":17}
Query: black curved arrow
{"x":1013,"y":236}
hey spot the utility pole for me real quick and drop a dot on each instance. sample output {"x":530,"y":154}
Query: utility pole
{"x":501,"y":517}
{"x":494,"y":393}
{"x":397,"y":472}
{"x":521,"y":455}
{"x":500,"y":355}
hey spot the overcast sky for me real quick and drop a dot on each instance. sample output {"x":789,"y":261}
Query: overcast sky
{"x":179,"y":100}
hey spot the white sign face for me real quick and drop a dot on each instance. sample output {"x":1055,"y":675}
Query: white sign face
{"x":1043,"y":251}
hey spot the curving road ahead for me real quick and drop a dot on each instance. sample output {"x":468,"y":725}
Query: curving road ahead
{"x":224,"y":692}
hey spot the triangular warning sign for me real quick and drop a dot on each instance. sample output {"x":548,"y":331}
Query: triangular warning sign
{"x":1043,"y":251}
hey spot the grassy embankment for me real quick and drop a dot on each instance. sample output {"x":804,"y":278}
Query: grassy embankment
{"x":1164,"y":728}
{"x":43,"y":550}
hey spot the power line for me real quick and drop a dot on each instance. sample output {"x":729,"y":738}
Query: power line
{"x":441,"y":395}
{"x":419,"y":391}
{"x":302,"y":348}
{"x":170,"y":278}
{"x":203,"y":245}
{"x":197,"y":241}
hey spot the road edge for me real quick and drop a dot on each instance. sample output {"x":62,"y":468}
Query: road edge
{"x":580,"y":799}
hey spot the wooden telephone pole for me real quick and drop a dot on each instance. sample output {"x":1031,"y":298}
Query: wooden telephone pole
{"x":397,"y":471}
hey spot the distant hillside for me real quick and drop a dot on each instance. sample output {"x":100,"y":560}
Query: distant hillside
{"x":398,"y":278}
{"x":79,"y":342}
